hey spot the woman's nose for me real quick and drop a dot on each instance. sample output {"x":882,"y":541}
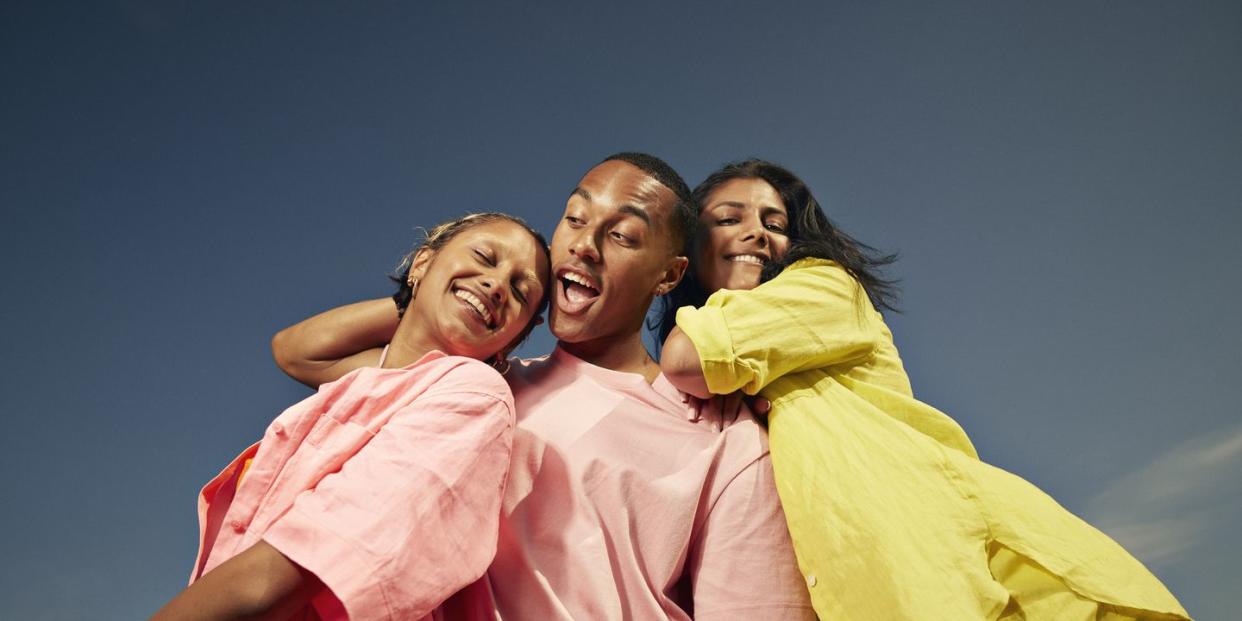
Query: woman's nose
{"x":754,"y":230}
{"x":492,"y":288}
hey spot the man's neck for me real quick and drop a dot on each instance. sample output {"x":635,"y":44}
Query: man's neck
{"x":625,"y":354}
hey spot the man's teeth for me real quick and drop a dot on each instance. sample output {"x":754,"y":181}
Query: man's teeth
{"x":474,"y":301}
{"x":579,"y":279}
{"x":747,"y":258}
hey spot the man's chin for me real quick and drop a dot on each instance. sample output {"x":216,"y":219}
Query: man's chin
{"x":568,"y":328}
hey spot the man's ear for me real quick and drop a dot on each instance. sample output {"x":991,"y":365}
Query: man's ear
{"x":418,"y":266}
{"x":673,"y":273}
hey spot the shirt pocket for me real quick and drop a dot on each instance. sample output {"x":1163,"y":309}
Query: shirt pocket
{"x":361,"y":409}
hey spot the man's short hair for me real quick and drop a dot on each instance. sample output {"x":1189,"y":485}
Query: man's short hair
{"x":684,"y":217}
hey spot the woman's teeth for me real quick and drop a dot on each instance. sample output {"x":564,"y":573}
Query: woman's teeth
{"x":746,"y":258}
{"x":478,"y":305}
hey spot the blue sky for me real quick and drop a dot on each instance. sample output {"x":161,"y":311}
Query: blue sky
{"x":1063,"y":182}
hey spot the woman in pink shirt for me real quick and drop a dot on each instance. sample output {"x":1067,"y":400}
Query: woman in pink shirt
{"x":379,"y":496}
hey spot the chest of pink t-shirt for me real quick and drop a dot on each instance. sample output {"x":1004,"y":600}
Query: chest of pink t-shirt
{"x":624,"y":503}
{"x":385,"y":484}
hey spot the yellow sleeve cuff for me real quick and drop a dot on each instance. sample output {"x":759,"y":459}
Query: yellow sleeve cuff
{"x":707,"y":329}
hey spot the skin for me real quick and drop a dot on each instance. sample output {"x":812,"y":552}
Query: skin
{"x":614,"y":235}
{"x":325,"y":347}
{"x":476,"y":295}
{"x":741,"y":217}
{"x":499,"y":267}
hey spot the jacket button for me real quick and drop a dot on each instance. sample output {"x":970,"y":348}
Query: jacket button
{"x":811,"y":580}
{"x":237,"y":526}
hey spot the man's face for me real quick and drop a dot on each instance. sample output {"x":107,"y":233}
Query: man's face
{"x":612,"y":252}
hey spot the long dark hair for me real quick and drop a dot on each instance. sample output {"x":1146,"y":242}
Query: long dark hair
{"x":811,"y":234}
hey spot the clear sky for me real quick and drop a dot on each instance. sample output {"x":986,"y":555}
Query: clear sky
{"x":1063,"y":182}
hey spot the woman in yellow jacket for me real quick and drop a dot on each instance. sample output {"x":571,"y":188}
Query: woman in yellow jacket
{"x":892,"y":514}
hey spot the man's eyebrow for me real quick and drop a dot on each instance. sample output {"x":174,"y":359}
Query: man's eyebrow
{"x":578,"y":191}
{"x":635,"y":211}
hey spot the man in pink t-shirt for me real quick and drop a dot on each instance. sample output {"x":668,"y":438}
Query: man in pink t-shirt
{"x":625,"y":499}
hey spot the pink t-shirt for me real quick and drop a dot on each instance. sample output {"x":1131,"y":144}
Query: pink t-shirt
{"x":622,"y":503}
{"x":386,"y":484}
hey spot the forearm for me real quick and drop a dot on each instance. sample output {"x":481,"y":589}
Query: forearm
{"x":311,"y":351}
{"x":259,"y":583}
{"x":679,"y":360}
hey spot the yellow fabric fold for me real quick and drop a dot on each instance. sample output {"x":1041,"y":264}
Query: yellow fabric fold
{"x":892,"y":514}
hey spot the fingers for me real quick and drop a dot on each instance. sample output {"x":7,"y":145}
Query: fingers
{"x":728,"y":408}
{"x":760,"y":406}
{"x":732,"y":407}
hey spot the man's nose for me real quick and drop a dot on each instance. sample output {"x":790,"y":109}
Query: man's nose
{"x":584,"y":246}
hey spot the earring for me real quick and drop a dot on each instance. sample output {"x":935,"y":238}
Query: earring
{"x":501,"y":363}
{"x":413,"y":283}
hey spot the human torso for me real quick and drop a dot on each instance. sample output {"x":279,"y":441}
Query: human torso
{"x":610,"y":484}
{"x":312,"y":440}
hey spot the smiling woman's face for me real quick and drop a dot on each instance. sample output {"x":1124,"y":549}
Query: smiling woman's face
{"x":742,"y":226}
{"x":478,"y":292}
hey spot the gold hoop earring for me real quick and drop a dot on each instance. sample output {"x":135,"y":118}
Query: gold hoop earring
{"x":501,"y":363}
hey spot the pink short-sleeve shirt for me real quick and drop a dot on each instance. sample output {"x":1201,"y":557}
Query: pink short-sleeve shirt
{"x":625,"y":501}
{"x":385,"y":484}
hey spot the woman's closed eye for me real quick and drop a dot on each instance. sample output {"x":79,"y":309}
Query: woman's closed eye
{"x":485,"y":257}
{"x":518,"y":294}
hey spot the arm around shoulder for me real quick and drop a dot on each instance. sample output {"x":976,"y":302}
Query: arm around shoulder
{"x":326,"y":346}
{"x":812,"y":315}
{"x":679,"y":360}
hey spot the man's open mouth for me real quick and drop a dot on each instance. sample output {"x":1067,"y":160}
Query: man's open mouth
{"x":575,"y":291}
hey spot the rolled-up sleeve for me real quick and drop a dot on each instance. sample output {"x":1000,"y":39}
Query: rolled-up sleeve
{"x":812,"y":315}
{"x":412,"y":516}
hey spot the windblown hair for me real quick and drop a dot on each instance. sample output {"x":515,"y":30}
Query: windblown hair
{"x":440,"y":235}
{"x":811,"y":234}
{"x":684,"y":213}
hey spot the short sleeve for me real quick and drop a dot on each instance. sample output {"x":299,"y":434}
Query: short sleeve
{"x":742,"y":562}
{"x":413,"y":515}
{"x":812,"y":315}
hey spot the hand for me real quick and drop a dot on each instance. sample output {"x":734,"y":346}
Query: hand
{"x":730,"y":406}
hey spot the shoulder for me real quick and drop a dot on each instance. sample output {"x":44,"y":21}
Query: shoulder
{"x":465,"y":375}
{"x":812,"y":267}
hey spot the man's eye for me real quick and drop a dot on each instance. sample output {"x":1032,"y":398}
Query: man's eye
{"x":573,"y":220}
